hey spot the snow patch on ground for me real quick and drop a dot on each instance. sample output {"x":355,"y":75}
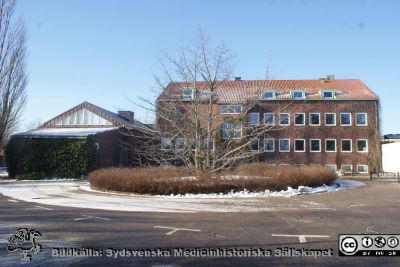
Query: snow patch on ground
{"x":40,"y":181}
{"x":7,"y":180}
{"x":70,"y":194}
{"x":301,"y":190}
{"x":52,"y":179}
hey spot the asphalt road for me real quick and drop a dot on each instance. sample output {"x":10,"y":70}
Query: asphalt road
{"x":370,"y":209}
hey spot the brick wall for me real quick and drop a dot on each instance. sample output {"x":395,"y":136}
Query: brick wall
{"x":307,"y":132}
{"x":338,"y":132}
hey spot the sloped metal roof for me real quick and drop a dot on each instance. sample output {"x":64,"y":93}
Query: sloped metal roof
{"x":63,"y":132}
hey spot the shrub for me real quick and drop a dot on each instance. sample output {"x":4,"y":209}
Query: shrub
{"x":163,"y":181}
{"x":36,"y":158}
{"x":281,"y":177}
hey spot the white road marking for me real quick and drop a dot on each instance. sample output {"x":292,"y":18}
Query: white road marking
{"x":322,"y":209}
{"x":87,"y":217}
{"x":165,"y":265}
{"x":357,"y":205}
{"x":302,"y":238}
{"x":175,"y":229}
{"x":13,"y":200}
{"x":38,"y":208}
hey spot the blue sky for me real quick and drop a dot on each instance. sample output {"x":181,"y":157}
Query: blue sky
{"x":104,"y":51}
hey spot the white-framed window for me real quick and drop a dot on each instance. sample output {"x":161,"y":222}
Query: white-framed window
{"x":299,"y":145}
{"x":362,"y":145}
{"x":187,"y":93}
{"x":314,"y":119}
{"x":362,"y":168}
{"x":299,"y":119}
{"x":208,"y":144}
{"x":347,"y":145}
{"x":330,"y":119}
{"x":166,"y":143}
{"x":333,"y":167}
{"x":361,"y":119}
{"x":329,"y":94}
{"x":179,"y":143}
{"x":284,"y":119}
{"x":346,"y":168}
{"x":284,"y":145}
{"x":231,"y":109}
{"x":231,"y":130}
{"x":254,"y":118}
{"x":269,"y":118}
{"x":345,"y":119}
{"x":254,"y":144}
{"x":330,"y":145}
{"x":269,"y":145}
{"x":268,"y":94}
{"x":298,"y":94}
{"x":315,"y":145}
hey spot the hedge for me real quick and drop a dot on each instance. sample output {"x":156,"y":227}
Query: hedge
{"x":37,"y":158}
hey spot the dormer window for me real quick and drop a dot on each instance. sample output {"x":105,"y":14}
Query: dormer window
{"x":327,"y":94}
{"x":268,"y":94}
{"x":187,"y":93}
{"x":298,"y":94}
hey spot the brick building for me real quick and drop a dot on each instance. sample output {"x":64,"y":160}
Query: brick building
{"x":330,"y":122}
{"x":105,"y":127}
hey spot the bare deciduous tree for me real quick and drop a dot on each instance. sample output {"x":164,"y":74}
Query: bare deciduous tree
{"x":34,"y":124}
{"x":200,"y":127}
{"x":190,"y":129}
{"x":13,"y":75}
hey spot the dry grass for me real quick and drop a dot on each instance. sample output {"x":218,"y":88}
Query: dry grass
{"x":164,"y":181}
{"x":282,"y":177}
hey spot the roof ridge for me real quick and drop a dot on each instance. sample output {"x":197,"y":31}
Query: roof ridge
{"x":266,"y":80}
{"x":115,"y":118}
{"x":233,"y":90}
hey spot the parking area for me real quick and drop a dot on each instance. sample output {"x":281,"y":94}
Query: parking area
{"x":307,"y":221}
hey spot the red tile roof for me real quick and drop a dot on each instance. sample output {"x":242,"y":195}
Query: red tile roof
{"x":241,"y":90}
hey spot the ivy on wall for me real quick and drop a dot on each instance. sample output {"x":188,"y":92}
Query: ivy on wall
{"x":38,"y":158}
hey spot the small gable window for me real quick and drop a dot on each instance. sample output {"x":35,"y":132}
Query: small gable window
{"x":268,"y":95}
{"x":298,"y":94}
{"x":327,"y":94}
{"x":186,"y":93}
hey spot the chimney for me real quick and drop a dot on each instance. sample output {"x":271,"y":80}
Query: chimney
{"x":238,"y":78}
{"x":126,"y":114}
{"x":328,"y":78}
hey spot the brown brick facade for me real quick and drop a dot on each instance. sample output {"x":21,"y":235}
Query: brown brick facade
{"x":370,"y":132}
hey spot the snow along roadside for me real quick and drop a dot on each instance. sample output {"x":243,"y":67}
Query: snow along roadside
{"x":301,"y":190}
{"x":70,"y":194}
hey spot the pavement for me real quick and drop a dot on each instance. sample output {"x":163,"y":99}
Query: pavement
{"x":370,"y":209}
